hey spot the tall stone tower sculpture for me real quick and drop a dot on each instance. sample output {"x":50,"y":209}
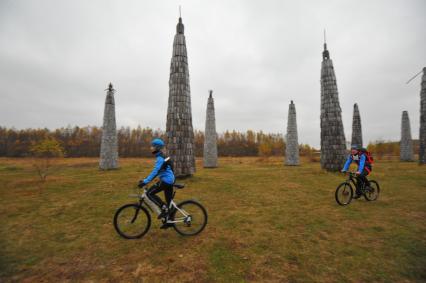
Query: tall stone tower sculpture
{"x":333,"y":143}
{"x":292,"y":144}
{"x":210,"y":136}
{"x":406,"y":144}
{"x":422,"y":134}
{"x":180,"y":134}
{"x":109,"y":147}
{"x":356,"y":128}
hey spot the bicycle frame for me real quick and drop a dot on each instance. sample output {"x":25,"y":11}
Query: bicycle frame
{"x":143,"y":198}
{"x":353,"y":177}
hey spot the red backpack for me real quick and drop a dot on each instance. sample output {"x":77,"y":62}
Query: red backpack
{"x":368,"y":156}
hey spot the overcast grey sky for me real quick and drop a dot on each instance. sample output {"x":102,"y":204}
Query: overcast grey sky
{"x":57,"y":57}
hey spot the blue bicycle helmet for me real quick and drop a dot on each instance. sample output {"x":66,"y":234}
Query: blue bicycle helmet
{"x":157,"y":143}
{"x":356,"y":147}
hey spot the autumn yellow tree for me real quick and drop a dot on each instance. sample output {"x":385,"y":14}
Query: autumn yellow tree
{"x":265,"y":149}
{"x":44,"y":153}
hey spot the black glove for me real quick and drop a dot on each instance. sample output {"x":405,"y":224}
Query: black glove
{"x":141,"y":184}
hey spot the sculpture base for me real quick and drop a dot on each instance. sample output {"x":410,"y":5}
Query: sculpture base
{"x":182,"y":177}
{"x":107,"y":169}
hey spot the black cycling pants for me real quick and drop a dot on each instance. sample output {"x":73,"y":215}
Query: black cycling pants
{"x":158,"y":187}
{"x":362,"y":178}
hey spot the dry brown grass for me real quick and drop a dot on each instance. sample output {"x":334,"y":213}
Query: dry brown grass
{"x":267,"y":222}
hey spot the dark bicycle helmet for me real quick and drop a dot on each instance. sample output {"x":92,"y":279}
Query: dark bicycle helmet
{"x":157,"y":143}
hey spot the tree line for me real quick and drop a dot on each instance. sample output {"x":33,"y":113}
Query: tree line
{"x":382,"y":148}
{"x":85,"y":142}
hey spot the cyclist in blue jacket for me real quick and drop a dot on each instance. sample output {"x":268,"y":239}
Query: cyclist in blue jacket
{"x":163,"y":168}
{"x":364,"y":167}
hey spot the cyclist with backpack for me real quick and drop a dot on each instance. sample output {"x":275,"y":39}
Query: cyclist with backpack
{"x":163,"y":168}
{"x":364,"y":160}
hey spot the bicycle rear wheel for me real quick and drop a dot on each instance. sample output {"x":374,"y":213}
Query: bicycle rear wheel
{"x":132,"y":221}
{"x":191,"y":218}
{"x":372,"y":192}
{"x":344,"y":194}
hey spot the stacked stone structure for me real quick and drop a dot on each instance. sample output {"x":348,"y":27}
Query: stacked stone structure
{"x":180,"y":134}
{"x":356,"y":128}
{"x":292,"y":143}
{"x":422,"y":134}
{"x":109,"y":146}
{"x":210,"y":136}
{"x":406,"y":144}
{"x":333,"y":143}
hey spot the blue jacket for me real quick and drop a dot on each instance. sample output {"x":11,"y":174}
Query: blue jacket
{"x":165,"y":175}
{"x":360,"y":162}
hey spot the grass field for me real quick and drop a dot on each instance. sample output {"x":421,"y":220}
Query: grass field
{"x":267,"y":222}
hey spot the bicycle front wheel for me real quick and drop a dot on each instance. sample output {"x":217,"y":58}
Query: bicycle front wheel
{"x":190,"y":218}
{"x":132,"y":221}
{"x":344,"y":194}
{"x":372,"y":191}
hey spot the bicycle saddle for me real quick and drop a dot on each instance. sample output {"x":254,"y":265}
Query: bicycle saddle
{"x":179,"y":186}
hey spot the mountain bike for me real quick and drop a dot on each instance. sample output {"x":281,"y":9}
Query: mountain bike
{"x":345,"y":191}
{"x":132,"y":221}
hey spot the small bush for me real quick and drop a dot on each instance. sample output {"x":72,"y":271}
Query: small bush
{"x":44,"y":154}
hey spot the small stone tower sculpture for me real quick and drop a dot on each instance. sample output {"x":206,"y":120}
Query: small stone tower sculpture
{"x":109,"y":145}
{"x":292,"y":144}
{"x":406,"y":144}
{"x":210,"y":136}
{"x":422,"y":134}
{"x":356,"y":128}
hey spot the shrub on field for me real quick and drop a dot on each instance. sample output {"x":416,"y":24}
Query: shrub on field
{"x":45,"y":152}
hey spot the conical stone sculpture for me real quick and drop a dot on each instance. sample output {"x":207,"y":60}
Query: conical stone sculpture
{"x":406,"y":144}
{"x":210,"y":136}
{"x":356,"y":128}
{"x":180,"y":134}
{"x":333,"y":143}
{"x":109,"y":147}
{"x":422,"y":134}
{"x":292,"y":144}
